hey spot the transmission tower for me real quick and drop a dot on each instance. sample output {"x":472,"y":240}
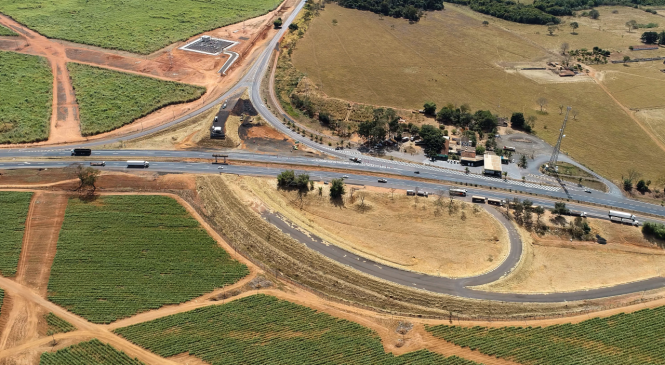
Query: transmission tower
{"x":555,"y":152}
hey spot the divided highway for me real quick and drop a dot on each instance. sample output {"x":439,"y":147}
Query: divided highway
{"x":400,"y":175}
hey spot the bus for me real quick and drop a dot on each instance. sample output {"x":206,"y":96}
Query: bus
{"x":457,"y":192}
{"x":478,"y":199}
{"x":497,"y":202}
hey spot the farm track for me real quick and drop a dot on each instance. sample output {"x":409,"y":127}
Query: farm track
{"x":65,"y":124}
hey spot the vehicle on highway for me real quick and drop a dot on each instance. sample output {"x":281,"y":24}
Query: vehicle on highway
{"x":457,"y":192}
{"x":632,"y":222}
{"x":220,"y":168}
{"x":497,"y":202}
{"x":423,"y":193}
{"x":618,"y":214}
{"x":138,"y":164}
{"x":410,"y":192}
{"x":478,"y":199}
{"x":345,"y":177}
{"x":224,"y":106}
{"x":355,"y":159}
{"x":103,"y":163}
{"x":383,"y":180}
{"x":587,"y":190}
{"x":416,"y":172}
{"x":577,"y":213}
{"x":338,"y":148}
{"x":81,"y":152}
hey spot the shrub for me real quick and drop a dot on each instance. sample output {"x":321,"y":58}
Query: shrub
{"x":654,"y":229}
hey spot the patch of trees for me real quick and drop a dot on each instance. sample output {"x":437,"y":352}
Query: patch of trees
{"x":289,"y":179}
{"x":653,"y":37}
{"x":654,"y":229}
{"x":517,"y":121}
{"x":337,"y":188}
{"x":480,"y":121}
{"x":375,"y":130}
{"x":408,"y":9}
{"x":595,"y":56}
{"x":432,"y":138}
{"x":510,"y":10}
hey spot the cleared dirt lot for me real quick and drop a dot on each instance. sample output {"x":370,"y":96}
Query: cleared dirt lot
{"x":407,"y":232}
{"x":555,"y":264}
{"x":449,"y":57}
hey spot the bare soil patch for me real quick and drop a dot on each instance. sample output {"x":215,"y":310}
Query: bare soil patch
{"x":552,"y":263}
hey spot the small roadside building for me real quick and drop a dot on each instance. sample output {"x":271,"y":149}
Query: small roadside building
{"x":492,"y":165}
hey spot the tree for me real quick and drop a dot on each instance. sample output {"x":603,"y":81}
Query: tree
{"x":277,"y":23}
{"x":661,"y":38}
{"x":649,"y":37}
{"x":594,"y":14}
{"x":574,"y":26}
{"x":293,"y":26}
{"x":564,"y":48}
{"x":446,"y":115}
{"x":560,"y":208}
{"x":642,"y":186}
{"x":517,"y":121}
{"x":485,"y":120}
{"x":531,"y":122}
{"x":523,"y":162}
{"x":631,"y":24}
{"x":87,"y":177}
{"x":551,"y":28}
{"x":485,"y":23}
{"x":466,"y":170}
{"x":480,"y":149}
{"x":432,"y":138}
{"x":334,"y":22}
{"x":539,"y":210}
{"x":429,"y":108}
{"x":337,"y":188}
{"x":627,"y":184}
{"x":626,"y":59}
{"x":542,"y":102}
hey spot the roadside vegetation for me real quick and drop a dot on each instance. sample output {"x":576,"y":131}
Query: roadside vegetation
{"x":7,"y":32}
{"x":410,"y":9}
{"x":622,"y":339}
{"x":91,"y":352}
{"x":109,"y":99}
{"x":15,"y":206}
{"x":133,"y":25}
{"x":121,"y":255}
{"x":27,"y":97}
{"x":261,"y":329}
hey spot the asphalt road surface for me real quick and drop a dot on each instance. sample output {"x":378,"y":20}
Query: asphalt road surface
{"x":399,"y":175}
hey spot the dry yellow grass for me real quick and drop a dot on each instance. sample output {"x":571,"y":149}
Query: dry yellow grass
{"x":449,"y":57}
{"x":554,"y":264}
{"x":400,"y":231}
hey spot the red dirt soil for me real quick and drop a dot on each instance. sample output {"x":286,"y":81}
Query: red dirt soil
{"x":169,"y":63}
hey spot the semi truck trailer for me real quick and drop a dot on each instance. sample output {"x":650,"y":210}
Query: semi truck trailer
{"x":138,"y":164}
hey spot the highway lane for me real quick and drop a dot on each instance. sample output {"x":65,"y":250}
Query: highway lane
{"x":452,"y":286}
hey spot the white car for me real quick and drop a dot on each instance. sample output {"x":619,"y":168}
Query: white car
{"x":345,"y":177}
{"x":383,"y":180}
{"x":220,"y":168}
{"x":587,"y":190}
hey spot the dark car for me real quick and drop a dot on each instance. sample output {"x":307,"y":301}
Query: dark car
{"x":383,"y":180}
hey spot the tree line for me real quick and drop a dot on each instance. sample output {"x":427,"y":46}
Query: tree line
{"x":408,"y":9}
{"x":544,"y":11}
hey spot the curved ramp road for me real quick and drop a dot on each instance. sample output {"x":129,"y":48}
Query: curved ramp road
{"x":402,"y":174}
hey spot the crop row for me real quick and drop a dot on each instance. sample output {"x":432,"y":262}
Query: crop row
{"x":121,"y":255}
{"x":26,"y":99}
{"x":91,"y":352}
{"x":56,"y":324}
{"x":132,"y":25}
{"x":110,"y":99}
{"x":634,"y":338}
{"x":15,"y":206}
{"x":262,"y":329}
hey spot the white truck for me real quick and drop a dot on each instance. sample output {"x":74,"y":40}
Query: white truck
{"x":623,"y":217}
{"x":138,"y":164}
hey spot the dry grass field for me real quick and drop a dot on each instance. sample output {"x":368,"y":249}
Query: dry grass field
{"x":554,"y":264}
{"x":449,"y":57}
{"x":409,"y":233}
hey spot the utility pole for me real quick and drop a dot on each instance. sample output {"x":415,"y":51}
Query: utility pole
{"x":557,"y":147}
